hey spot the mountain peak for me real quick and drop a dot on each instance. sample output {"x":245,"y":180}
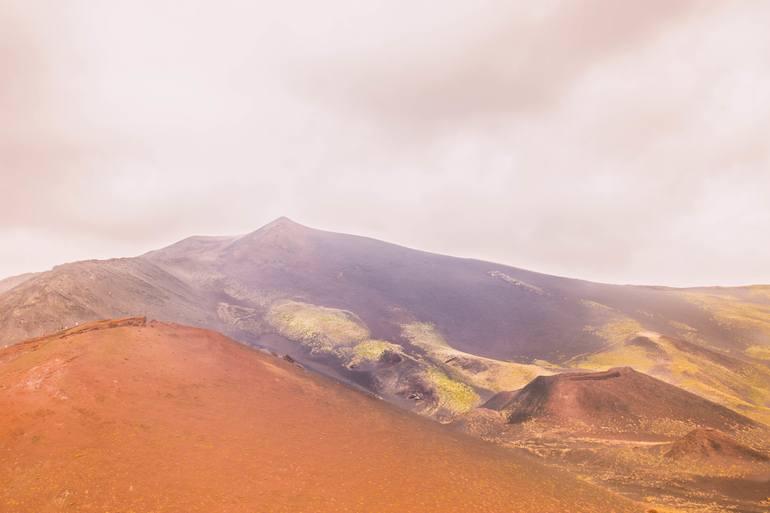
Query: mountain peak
{"x":281,"y":234}
{"x":280,"y":225}
{"x":282,"y":221}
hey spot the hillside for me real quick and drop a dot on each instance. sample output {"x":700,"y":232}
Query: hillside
{"x":620,"y":400}
{"x":129,"y":416}
{"x":433,"y":333}
{"x":637,"y":435}
{"x":713,"y":446}
{"x":9,"y":283}
{"x":71,"y":294}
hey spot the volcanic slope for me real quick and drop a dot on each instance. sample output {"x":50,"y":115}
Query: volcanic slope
{"x":132,"y":416}
{"x":707,"y":444}
{"x":434,"y":333}
{"x":620,"y":400}
{"x":482,"y":308}
{"x":636,"y":435}
{"x":9,"y":283}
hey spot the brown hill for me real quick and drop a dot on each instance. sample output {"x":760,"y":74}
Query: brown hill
{"x":618,"y":400}
{"x":128,"y":416}
{"x":710,"y":444}
{"x":72,"y":294}
{"x":9,"y":283}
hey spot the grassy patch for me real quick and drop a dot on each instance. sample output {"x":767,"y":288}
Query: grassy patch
{"x":617,"y":356}
{"x":322,"y":329}
{"x":732,"y":313}
{"x":452,"y":395}
{"x":372,"y":350}
{"x":423,"y":335}
{"x":617,"y":331}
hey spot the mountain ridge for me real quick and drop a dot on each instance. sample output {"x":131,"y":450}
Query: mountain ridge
{"x":464,"y":329}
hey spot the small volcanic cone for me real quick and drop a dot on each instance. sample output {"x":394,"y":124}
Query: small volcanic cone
{"x":705,"y":443}
{"x":621,"y":399}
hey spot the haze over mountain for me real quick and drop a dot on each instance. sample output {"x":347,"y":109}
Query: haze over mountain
{"x":617,"y":141}
{"x":437,"y":334}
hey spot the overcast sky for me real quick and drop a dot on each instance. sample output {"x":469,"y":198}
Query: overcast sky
{"x":615,"y":141}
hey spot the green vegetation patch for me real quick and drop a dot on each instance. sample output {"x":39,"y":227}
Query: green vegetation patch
{"x":617,"y":356}
{"x":372,"y":350}
{"x":423,"y":335}
{"x":322,"y":329}
{"x":617,"y":331}
{"x":732,"y":313}
{"x":452,"y":395}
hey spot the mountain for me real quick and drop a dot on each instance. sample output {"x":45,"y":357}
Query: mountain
{"x":619,"y":400}
{"x":433,"y":333}
{"x":71,"y":294}
{"x":126,"y":415}
{"x":9,"y":283}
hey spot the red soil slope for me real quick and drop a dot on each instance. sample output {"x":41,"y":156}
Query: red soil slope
{"x":128,"y":417}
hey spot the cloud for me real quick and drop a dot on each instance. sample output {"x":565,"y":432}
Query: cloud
{"x":606,"y":140}
{"x":519,"y":61}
